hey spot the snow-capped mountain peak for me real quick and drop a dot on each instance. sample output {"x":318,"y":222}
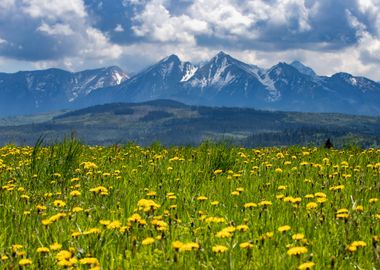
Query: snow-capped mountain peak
{"x":303,"y":69}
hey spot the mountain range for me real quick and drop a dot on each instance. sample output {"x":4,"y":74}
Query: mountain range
{"x":221,"y":81}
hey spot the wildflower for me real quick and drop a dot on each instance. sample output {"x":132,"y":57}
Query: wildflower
{"x":343,"y":216}
{"x":306,"y":266}
{"x":59,"y":203}
{"x":202,"y":198}
{"x":336,"y":188}
{"x":219,"y":249}
{"x":189,"y":246}
{"x":297,"y":251}
{"x":284,"y":228}
{"x":75,"y":193}
{"x":359,"y":208}
{"x":265,"y":203}
{"x":250,"y":205}
{"x":55,"y":246}
{"x":134,"y":218}
{"x":282,"y":187}
{"x":16,"y":247}
{"x":215,"y":203}
{"x":235,"y":193}
{"x":320,"y":195}
{"x":177,"y":245}
{"x":147,"y":205}
{"x":223,"y":234}
{"x":151,"y":194}
{"x":114,"y":224}
{"x":373,"y":200}
{"x":298,"y":236}
{"x":77,"y":209}
{"x":242,"y":228}
{"x":148,"y":241}
{"x":4,"y":257}
{"x":99,"y":190}
{"x":89,"y":261}
{"x":322,"y":200}
{"x":246,"y":245}
{"x":217,"y":172}
{"x":63,"y":255}
{"x":355,"y":245}
{"x":342,"y":210}
{"x":43,"y":250}
{"x":311,"y":205}
{"x":76,"y":234}
{"x":24,"y":262}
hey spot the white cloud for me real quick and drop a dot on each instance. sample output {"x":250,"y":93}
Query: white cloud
{"x":156,"y":23}
{"x":56,"y":29}
{"x":54,"y":9}
{"x":118,"y":28}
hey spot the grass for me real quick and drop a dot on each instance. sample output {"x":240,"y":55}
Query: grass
{"x":206,"y":207}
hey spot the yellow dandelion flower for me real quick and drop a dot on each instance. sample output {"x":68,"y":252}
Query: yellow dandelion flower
{"x":294,"y":251}
{"x":89,"y":261}
{"x":77,"y":209}
{"x":148,"y":241}
{"x":342,"y":210}
{"x":43,"y":250}
{"x":342,"y":216}
{"x":202,"y":198}
{"x":359,"y":208}
{"x":223,"y":234}
{"x":284,"y":228}
{"x":373,"y":200}
{"x":217,"y":172}
{"x":311,"y":205}
{"x":265,"y":203}
{"x":322,"y":200}
{"x":320,"y":195}
{"x":219,"y":249}
{"x":177,"y":245}
{"x":24,"y":262}
{"x":63,"y":255}
{"x":16,"y":247}
{"x":114,"y":225}
{"x":151,"y":194}
{"x":59,"y":203}
{"x":298,"y":236}
{"x":246,"y":245}
{"x":242,"y":228}
{"x":55,"y":246}
{"x":250,"y":205}
{"x":306,"y":266}
{"x":189,"y":246}
{"x":235,"y":193}
{"x":75,"y":193}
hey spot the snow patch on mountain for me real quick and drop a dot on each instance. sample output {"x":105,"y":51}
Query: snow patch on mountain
{"x":189,"y":73}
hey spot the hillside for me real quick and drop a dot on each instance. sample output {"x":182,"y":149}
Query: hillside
{"x":174,"y":123}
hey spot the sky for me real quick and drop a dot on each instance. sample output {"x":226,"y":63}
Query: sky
{"x":328,"y":35}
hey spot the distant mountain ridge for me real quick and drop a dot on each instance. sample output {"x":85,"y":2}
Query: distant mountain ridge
{"x":221,"y":81}
{"x":28,"y":92}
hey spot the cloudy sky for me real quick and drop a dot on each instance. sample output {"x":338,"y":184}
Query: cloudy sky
{"x":328,"y":35}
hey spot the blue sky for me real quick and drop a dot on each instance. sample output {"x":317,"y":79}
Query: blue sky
{"x":328,"y":35}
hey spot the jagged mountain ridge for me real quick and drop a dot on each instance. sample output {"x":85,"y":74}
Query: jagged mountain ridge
{"x":221,"y":81}
{"x":225,"y":81}
{"x":27,"y":92}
